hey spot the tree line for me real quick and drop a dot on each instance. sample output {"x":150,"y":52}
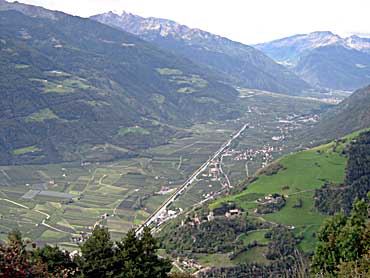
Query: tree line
{"x":99,"y":256}
{"x":332,"y":198}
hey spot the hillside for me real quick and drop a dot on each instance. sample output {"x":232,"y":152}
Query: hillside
{"x":234,"y":62}
{"x":350,"y":115}
{"x":335,"y":67}
{"x":75,"y":89}
{"x":295,"y":176}
{"x":275,"y":209}
{"x":324,"y":59}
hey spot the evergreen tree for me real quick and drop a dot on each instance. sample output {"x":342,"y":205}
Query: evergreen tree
{"x":132,"y":257}
{"x":327,"y":255}
{"x":138,"y":257}
{"x":98,"y":256}
{"x":153,"y":266}
{"x":58,"y":261}
{"x":344,"y":244}
{"x":129,"y":256}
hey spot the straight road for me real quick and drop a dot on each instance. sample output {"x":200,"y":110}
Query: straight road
{"x":155,"y":215}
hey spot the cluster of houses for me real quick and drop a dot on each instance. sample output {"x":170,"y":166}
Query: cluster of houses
{"x":196,"y":220}
{"x":214,"y":170}
{"x":232,"y":212}
{"x":267,"y":199}
{"x":293,"y":122}
{"x":209,"y":194}
{"x":168,"y":214}
{"x":80,"y":238}
{"x":250,"y":154}
{"x":165,"y":190}
{"x":295,"y":119}
{"x":190,"y":264}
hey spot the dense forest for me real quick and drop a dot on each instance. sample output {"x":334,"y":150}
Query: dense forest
{"x":333,"y":198}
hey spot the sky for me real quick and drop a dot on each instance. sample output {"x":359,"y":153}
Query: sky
{"x":246,"y":21}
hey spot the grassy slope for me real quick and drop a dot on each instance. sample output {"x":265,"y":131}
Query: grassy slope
{"x":304,"y":172}
{"x":257,"y":235}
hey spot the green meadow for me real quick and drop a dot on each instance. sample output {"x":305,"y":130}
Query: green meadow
{"x":301,"y":173}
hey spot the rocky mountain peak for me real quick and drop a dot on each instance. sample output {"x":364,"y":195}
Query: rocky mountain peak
{"x":151,"y":25}
{"x":322,"y":38}
{"x":358,"y":43}
{"x":322,"y":33}
{"x":235,"y":61}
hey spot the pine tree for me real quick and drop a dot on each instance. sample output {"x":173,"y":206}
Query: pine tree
{"x":58,"y":261}
{"x":132,"y":257}
{"x":344,"y":244}
{"x":98,"y":256}
{"x":138,"y":257}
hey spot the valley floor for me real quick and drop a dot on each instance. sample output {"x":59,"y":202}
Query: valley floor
{"x":61,"y":203}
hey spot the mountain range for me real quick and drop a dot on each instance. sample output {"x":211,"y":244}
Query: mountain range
{"x":76,"y":89}
{"x":236,"y":63}
{"x":111,"y":87}
{"x":324,"y":59}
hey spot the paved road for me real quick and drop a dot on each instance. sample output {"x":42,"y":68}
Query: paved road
{"x":155,"y":215}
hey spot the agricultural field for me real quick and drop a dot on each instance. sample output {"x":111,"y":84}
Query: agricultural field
{"x":123,"y":193}
{"x":296,"y":178}
{"x":119,"y":195}
{"x":267,"y":116}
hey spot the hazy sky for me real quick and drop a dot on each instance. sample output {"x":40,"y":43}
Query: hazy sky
{"x":247,"y":21}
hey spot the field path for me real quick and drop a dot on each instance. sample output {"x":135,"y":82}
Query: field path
{"x":6,"y":175}
{"x":180,"y":163}
{"x":38,"y":211}
{"x":55,"y":229}
{"x":15,"y":203}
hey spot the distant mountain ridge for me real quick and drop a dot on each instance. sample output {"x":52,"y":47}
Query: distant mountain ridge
{"x":289,"y":48}
{"x":75,"y":89}
{"x":324,"y":59}
{"x":31,"y":10}
{"x":234,"y":62}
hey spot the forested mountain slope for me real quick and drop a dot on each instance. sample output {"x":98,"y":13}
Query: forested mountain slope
{"x":235,"y":62}
{"x":350,"y":115}
{"x":75,"y":89}
{"x":335,"y":67}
